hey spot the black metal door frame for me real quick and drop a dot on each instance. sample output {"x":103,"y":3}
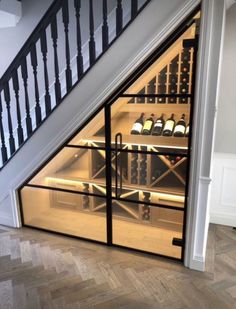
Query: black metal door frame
{"x":110,"y":198}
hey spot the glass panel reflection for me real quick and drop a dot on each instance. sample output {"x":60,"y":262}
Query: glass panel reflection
{"x":147,"y":228}
{"x":93,"y":134}
{"x":75,"y":169}
{"x":72,"y":214}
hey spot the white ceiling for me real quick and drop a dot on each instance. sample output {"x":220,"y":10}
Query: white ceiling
{"x":10,"y":13}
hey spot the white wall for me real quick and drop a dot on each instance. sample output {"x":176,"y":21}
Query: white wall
{"x":12,"y":39}
{"x":223,"y":196}
{"x":226,"y":124}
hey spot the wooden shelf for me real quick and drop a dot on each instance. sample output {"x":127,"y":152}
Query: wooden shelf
{"x":155,"y":107}
{"x":102,"y":182}
{"x":151,"y":140}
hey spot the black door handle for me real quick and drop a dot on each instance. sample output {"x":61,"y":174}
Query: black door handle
{"x":118,"y":161}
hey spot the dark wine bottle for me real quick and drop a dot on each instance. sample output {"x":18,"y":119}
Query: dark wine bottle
{"x":134,"y":168}
{"x":169,"y":126}
{"x":180,"y":127}
{"x":146,"y":208}
{"x":85,"y":199}
{"x":187,"y":131}
{"x":143,"y":169}
{"x":138,"y":125}
{"x":148,"y":125}
{"x":158,"y":126}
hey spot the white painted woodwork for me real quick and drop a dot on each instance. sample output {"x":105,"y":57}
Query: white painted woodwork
{"x":223,"y":190}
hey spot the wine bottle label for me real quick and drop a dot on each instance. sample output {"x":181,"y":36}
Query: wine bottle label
{"x":187,"y":131}
{"x":147,"y":125}
{"x":137,"y":127}
{"x":169,"y":125}
{"x":180,"y":128}
{"x":158,"y":124}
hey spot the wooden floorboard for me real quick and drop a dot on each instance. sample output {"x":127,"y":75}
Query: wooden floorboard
{"x":42,"y":270}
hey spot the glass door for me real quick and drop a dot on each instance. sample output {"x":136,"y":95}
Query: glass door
{"x":150,"y":150}
{"x":148,"y":183}
{"x":68,"y":194}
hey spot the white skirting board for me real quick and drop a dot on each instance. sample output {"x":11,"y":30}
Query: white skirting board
{"x":6,"y":216}
{"x":223,"y":189}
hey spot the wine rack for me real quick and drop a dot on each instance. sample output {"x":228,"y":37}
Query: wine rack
{"x":143,"y":168}
{"x":149,"y":172}
{"x":160,"y":179}
{"x":162,"y":84}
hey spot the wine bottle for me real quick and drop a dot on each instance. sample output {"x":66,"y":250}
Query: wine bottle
{"x":146,"y":208}
{"x":85,"y":199}
{"x":180,"y":127}
{"x":134,"y":168}
{"x":158,"y":126}
{"x":169,"y":126}
{"x":143,"y":169}
{"x":156,"y":174}
{"x":187,"y":131}
{"x":148,"y":125}
{"x":171,"y":159}
{"x":138,"y":125}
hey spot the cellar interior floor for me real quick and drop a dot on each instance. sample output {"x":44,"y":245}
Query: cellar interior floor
{"x":42,"y":270}
{"x":126,"y":233}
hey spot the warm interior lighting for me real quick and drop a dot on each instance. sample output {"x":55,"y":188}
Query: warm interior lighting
{"x":168,"y":197}
{"x":69,"y":181}
{"x":138,"y":144}
{"x":160,"y":197}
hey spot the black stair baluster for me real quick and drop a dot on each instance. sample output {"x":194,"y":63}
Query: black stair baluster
{"x":65,"y":18}
{"x":105,"y":33}
{"x":24,"y":73}
{"x":134,"y":8}
{"x":15,"y":81}
{"x":92,"y":46}
{"x":34,"y":63}
{"x":54,"y":35}
{"x":119,"y":17}
{"x":80,"y":68}
{"x":8,"y":105}
{"x":44,"y":50}
{"x":3,"y":146}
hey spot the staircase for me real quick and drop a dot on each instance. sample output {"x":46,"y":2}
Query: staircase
{"x":37,"y":80}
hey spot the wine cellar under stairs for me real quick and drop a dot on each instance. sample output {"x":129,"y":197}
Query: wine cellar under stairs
{"x":108,"y":185}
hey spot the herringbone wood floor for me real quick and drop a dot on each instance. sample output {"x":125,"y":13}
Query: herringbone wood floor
{"x":40,"y":270}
